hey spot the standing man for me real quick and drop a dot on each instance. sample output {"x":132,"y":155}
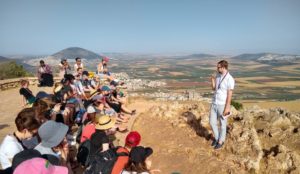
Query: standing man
{"x":223,"y":85}
{"x":63,"y":68}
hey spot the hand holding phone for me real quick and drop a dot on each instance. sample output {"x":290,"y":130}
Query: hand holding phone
{"x":226,"y":115}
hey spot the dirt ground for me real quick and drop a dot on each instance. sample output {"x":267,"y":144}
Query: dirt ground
{"x":179,"y":149}
{"x":176,"y":149}
{"x":10,"y":105}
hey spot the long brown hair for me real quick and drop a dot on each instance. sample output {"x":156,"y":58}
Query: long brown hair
{"x":41,"y":107}
{"x":136,"y":167}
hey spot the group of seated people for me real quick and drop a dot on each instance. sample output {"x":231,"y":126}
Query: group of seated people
{"x":84,"y":111}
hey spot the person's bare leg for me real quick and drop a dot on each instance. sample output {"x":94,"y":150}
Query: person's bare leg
{"x":126,"y":110}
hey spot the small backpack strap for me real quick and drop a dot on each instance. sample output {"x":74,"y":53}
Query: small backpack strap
{"x":122,"y":154}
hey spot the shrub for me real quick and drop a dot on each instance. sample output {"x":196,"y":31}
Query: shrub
{"x":12,"y":70}
{"x":236,"y":105}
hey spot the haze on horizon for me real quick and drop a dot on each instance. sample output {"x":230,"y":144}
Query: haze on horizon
{"x":150,"y":26}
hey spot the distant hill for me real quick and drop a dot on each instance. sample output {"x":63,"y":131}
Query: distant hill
{"x":196,"y":56}
{"x":73,"y":52}
{"x":3,"y":59}
{"x":269,"y":57}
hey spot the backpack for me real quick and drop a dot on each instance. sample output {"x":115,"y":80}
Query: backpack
{"x":104,"y":162}
{"x":83,"y":154}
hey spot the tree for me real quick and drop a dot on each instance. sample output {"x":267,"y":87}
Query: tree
{"x":12,"y":70}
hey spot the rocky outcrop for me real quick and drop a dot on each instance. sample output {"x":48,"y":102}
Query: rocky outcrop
{"x":258,"y":140}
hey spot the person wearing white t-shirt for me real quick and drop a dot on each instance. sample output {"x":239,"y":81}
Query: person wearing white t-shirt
{"x":223,"y":85}
{"x":27,"y":127}
{"x":78,"y":64}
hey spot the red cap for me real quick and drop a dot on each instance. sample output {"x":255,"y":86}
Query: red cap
{"x":133,"y":139}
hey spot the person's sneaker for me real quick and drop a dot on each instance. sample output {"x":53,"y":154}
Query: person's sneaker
{"x":218,"y":146}
{"x":214,"y":143}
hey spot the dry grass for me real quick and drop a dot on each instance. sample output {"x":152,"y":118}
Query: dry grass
{"x":289,"y":68}
{"x":153,"y":69}
{"x":283,"y":84}
{"x":176,"y":73}
{"x":290,"y":105}
{"x":257,"y":66}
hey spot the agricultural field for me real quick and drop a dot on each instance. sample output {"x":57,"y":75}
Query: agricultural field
{"x":254,"y":80}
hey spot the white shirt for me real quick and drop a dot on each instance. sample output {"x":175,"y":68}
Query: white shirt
{"x":76,"y":67}
{"x":8,"y":149}
{"x":222,"y":86}
{"x":79,"y":87}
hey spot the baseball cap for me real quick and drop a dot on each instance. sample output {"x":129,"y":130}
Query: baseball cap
{"x":52,"y":133}
{"x":105,"y":88}
{"x":85,"y":73}
{"x":139,"y":154}
{"x":39,"y":166}
{"x":106,"y":59}
{"x":23,"y":156}
{"x":133,"y":139}
{"x":32,"y":153}
{"x":91,"y":109}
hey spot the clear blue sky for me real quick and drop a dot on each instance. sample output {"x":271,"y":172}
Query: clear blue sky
{"x":150,"y":26}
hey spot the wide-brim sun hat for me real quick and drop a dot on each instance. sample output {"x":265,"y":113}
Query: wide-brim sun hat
{"x":105,"y":122}
{"x":93,"y":93}
{"x":52,"y":133}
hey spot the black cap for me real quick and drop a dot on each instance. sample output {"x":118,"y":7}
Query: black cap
{"x":23,"y":156}
{"x":139,"y":154}
{"x":85,"y":73}
{"x":69,"y":77}
{"x":52,"y":159}
{"x":32,"y":153}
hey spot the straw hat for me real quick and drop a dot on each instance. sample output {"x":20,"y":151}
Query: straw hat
{"x":105,"y":122}
{"x":93,"y":93}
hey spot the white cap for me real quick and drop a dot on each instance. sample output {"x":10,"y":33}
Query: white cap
{"x":91,"y":109}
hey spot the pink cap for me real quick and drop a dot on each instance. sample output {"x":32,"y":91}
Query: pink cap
{"x":106,"y":59}
{"x":39,"y":166}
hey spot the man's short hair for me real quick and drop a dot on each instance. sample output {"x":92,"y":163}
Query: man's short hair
{"x":77,"y":58}
{"x":223,"y":64}
{"x":42,"y":62}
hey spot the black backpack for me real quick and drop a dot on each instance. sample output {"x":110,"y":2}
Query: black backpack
{"x":83,"y":154}
{"x":104,"y":162}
